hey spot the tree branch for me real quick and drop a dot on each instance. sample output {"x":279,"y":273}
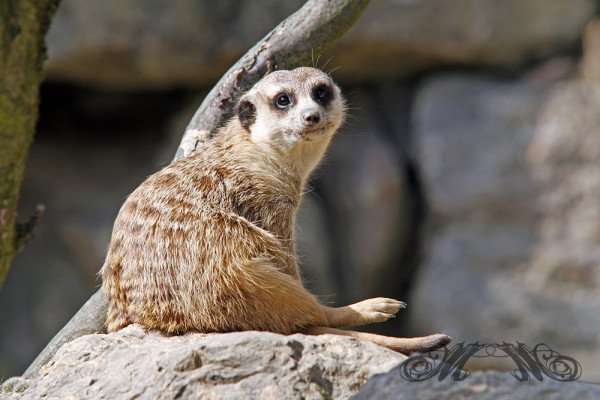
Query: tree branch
{"x":24,"y":231}
{"x":305,"y":34}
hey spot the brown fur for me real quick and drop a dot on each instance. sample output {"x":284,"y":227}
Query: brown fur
{"x":207,"y":244}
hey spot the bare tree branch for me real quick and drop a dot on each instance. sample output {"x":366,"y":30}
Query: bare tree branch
{"x":25,"y":230}
{"x":303,"y":35}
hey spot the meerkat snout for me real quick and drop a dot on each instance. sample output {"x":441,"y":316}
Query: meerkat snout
{"x":311,"y":117}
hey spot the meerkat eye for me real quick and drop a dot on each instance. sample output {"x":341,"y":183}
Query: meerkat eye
{"x":282,"y":101}
{"x":322,"y":94}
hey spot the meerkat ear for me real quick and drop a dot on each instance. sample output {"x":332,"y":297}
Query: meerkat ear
{"x":246,"y":112}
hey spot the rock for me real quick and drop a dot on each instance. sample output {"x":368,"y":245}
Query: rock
{"x":241,"y":365}
{"x":139,"y":43}
{"x":591,"y":44}
{"x":564,"y":156}
{"x":400,"y":37}
{"x":479,"y":385}
{"x":511,"y":173}
{"x":470,"y":134}
{"x":159,"y":43}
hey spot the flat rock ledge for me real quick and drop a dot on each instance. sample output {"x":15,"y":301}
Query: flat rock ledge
{"x":134,"y":364}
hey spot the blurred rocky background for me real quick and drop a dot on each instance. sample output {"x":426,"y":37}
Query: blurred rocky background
{"x":466,"y":181}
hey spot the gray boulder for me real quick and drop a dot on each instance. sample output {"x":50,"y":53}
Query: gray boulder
{"x":133,"y":364}
{"x":157,"y":43}
{"x":512,"y":176}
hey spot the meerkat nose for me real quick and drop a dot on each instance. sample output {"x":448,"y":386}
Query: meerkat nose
{"x":311,"y":117}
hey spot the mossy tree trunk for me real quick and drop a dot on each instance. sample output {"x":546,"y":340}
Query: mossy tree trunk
{"x":23,"y":26}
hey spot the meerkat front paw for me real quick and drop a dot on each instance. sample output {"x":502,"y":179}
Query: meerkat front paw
{"x":378,"y":309}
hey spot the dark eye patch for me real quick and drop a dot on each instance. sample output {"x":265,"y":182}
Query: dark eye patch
{"x":323,"y":94}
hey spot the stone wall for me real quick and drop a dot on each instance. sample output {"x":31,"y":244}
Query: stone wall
{"x":466,"y":182}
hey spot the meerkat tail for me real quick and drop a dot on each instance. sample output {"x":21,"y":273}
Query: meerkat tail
{"x":402,"y":345}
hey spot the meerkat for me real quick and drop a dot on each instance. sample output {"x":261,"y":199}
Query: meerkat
{"x":207,"y":243}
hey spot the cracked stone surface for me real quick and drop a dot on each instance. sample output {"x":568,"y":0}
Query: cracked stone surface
{"x":134,"y":364}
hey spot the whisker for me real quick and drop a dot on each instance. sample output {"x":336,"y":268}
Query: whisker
{"x":333,"y":70}
{"x":325,"y":66}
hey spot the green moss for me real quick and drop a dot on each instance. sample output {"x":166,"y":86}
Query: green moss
{"x":322,"y":391}
{"x":23,"y":26}
{"x":14,"y":385}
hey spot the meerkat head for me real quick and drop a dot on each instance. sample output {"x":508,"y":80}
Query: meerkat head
{"x":293,"y":113}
